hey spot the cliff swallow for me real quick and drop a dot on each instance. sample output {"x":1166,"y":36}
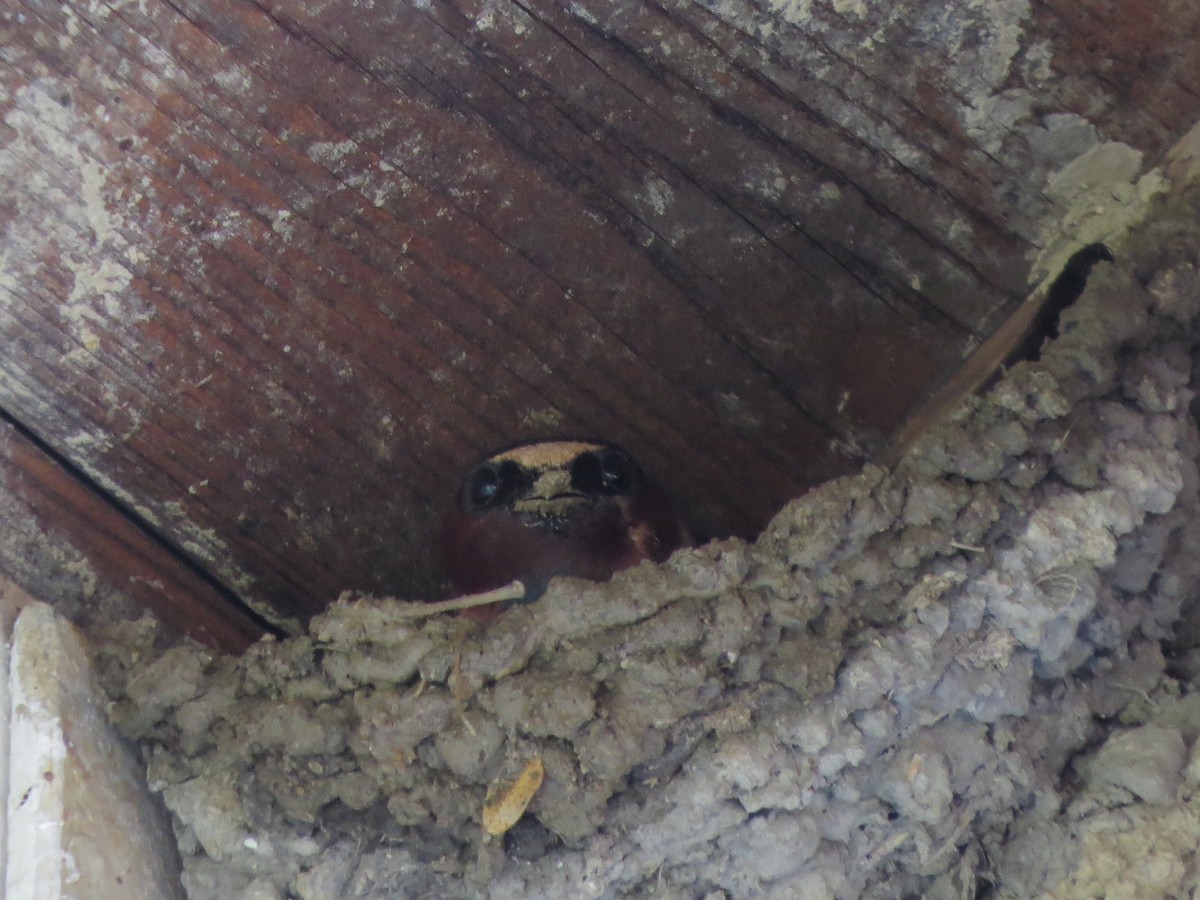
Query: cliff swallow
{"x":545,"y":508}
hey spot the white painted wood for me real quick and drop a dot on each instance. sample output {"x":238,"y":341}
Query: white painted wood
{"x":7,"y":614}
{"x":82,"y":825}
{"x":36,"y":770}
{"x":12,"y":599}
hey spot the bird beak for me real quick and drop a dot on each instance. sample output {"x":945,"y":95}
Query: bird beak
{"x":551,"y":494}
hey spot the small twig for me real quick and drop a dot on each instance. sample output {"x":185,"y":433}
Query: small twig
{"x":964,"y":822}
{"x":968,"y":548}
{"x":514,"y":591}
{"x":1142,"y":694}
{"x":886,"y":849}
{"x":458,"y":694}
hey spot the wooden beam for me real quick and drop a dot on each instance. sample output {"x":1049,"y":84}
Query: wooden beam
{"x":121,"y":547}
{"x":1019,"y":338}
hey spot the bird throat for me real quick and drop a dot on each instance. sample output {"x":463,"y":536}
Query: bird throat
{"x":572,"y":518}
{"x":561,"y":521}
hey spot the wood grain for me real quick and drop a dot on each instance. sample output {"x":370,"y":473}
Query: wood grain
{"x":121,"y":548}
{"x":275,"y":273}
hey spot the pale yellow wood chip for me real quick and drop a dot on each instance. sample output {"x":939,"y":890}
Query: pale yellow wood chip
{"x":502,"y":814}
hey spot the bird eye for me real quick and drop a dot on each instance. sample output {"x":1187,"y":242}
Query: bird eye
{"x":491,"y":484}
{"x":607,"y":471}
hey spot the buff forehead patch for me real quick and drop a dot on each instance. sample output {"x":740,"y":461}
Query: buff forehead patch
{"x":546,"y":454}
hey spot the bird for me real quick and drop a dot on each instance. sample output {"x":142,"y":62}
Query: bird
{"x":539,"y":509}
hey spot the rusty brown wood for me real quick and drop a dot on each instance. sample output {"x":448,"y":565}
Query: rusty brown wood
{"x":121,"y":548}
{"x":1130,"y":69}
{"x":275,"y":273}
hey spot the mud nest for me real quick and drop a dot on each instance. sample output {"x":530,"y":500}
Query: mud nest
{"x":942,"y":681}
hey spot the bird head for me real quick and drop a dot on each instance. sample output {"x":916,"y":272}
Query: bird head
{"x":549,"y":484}
{"x":558,"y":507}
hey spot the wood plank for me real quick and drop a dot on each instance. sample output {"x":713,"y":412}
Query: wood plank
{"x":120,"y":547}
{"x":813,"y":445}
{"x":82,"y":821}
{"x":274,"y":275}
{"x":1143,"y":56}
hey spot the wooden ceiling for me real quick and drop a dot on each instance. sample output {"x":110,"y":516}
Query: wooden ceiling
{"x":273,"y":274}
